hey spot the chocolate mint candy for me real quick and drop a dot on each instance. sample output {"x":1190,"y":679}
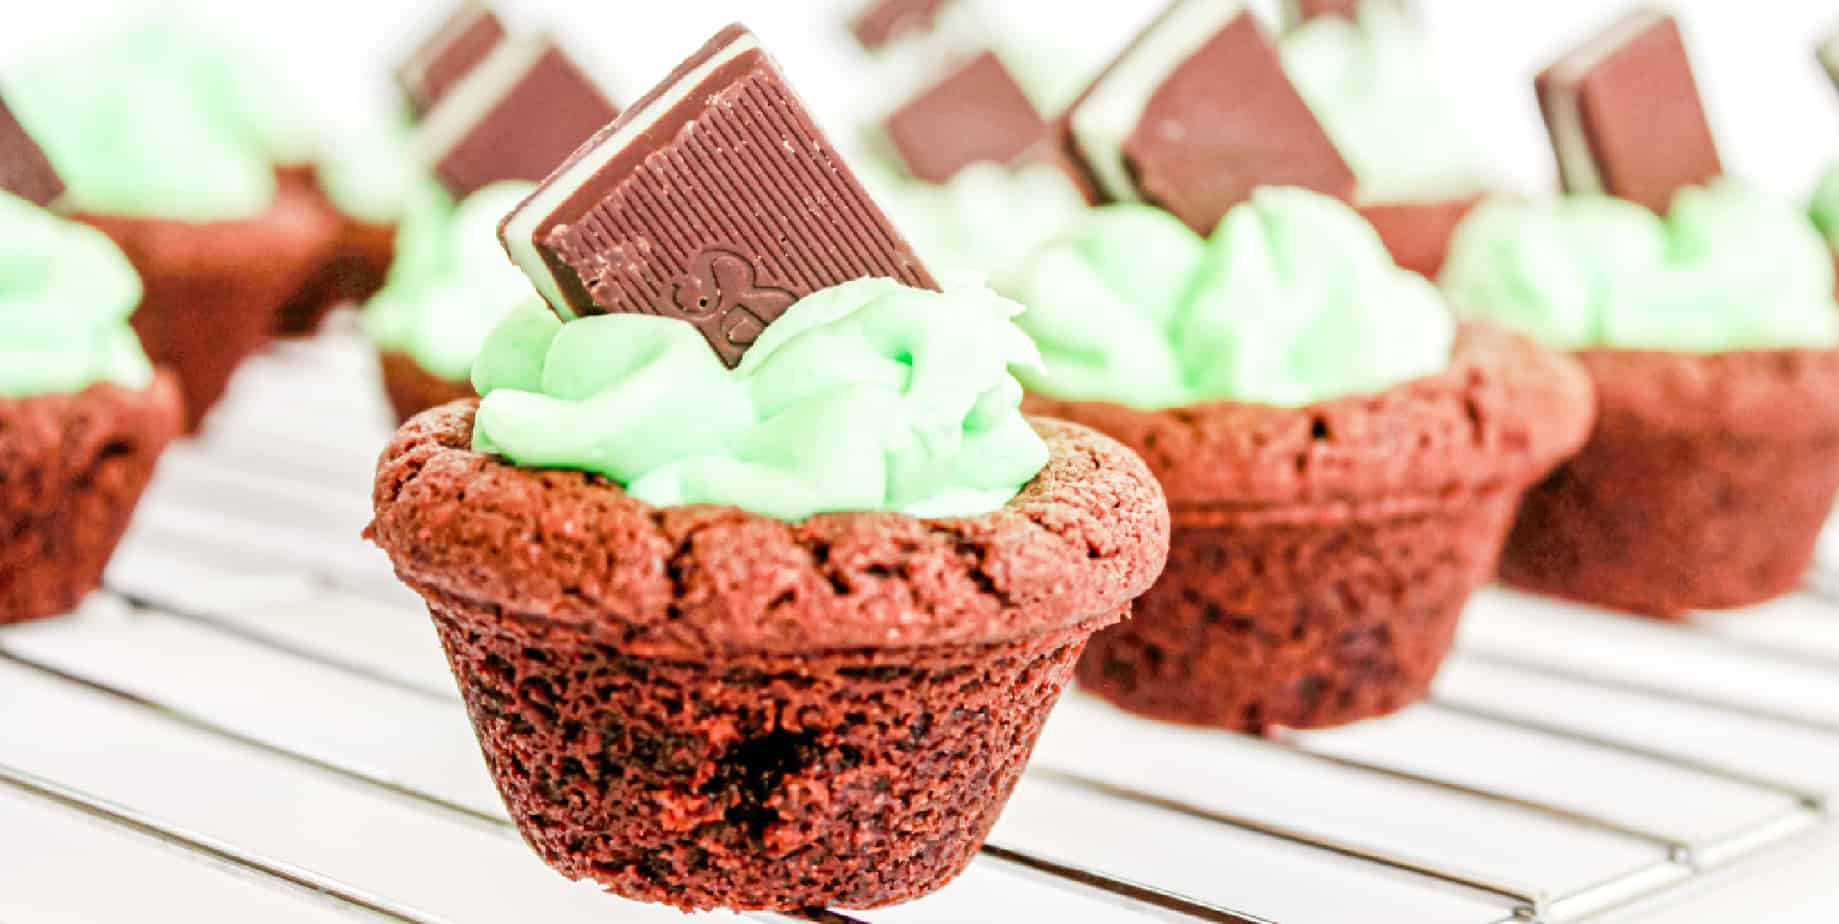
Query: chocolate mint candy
{"x":883,"y":21}
{"x":449,"y":53}
{"x":1625,"y":116}
{"x":24,"y":170}
{"x":715,"y":199}
{"x":1829,"y":58}
{"x":977,"y":113}
{"x":1297,"y":12}
{"x":516,"y":116}
{"x":1196,"y":114}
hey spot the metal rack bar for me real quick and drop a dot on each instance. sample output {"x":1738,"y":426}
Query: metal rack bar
{"x":279,"y":871}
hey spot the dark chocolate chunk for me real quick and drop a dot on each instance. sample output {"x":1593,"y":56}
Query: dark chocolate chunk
{"x":1297,"y":12}
{"x":715,"y":199}
{"x":516,"y":116}
{"x":1196,"y":114}
{"x":1625,"y":116}
{"x":24,"y":170}
{"x":883,"y":21}
{"x":1829,"y":58}
{"x":977,"y":113}
{"x":448,"y":54}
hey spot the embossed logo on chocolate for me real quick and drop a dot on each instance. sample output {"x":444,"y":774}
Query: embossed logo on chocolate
{"x":723,"y":296}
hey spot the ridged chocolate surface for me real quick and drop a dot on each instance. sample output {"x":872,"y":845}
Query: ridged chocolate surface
{"x":449,"y":53}
{"x":727,"y":208}
{"x":530,"y":129}
{"x":24,"y":170}
{"x":977,"y":113}
{"x":1640,"y":119}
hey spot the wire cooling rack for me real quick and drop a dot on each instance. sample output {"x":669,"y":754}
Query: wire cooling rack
{"x":253,"y":722}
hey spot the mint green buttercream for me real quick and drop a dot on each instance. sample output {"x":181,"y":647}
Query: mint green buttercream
{"x":1729,"y":268}
{"x":1292,"y":301}
{"x":162,"y":120}
{"x":374,"y":176}
{"x":987,"y":219}
{"x":1371,"y":85}
{"x":864,"y":396}
{"x":66,"y":293}
{"x":1825,"y":209}
{"x":451,"y":282}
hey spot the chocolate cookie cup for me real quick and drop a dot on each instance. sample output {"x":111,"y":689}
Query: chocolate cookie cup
{"x":1321,"y":556}
{"x":353,"y":269}
{"x":72,"y":467}
{"x":1705,"y":484}
{"x":411,"y":388}
{"x":212,"y":288}
{"x":706,"y":707}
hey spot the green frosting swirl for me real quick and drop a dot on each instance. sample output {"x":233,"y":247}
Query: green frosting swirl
{"x":374,"y":176}
{"x":1370,"y":84}
{"x":66,"y":293}
{"x":1825,"y":209}
{"x":1729,"y":268}
{"x":988,"y":219}
{"x":162,"y":120}
{"x":451,"y":282}
{"x":1293,"y":300}
{"x":864,"y":396}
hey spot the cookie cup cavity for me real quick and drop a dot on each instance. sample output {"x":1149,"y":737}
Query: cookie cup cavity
{"x":1705,"y":484}
{"x":1321,"y":556}
{"x":705,"y":707}
{"x":72,"y":467}
{"x":212,"y":288}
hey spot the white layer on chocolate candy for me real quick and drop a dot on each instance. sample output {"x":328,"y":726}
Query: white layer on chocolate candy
{"x":1570,"y":137}
{"x":520,"y":229}
{"x":1110,"y":114}
{"x":440,"y":39}
{"x":476,"y":95}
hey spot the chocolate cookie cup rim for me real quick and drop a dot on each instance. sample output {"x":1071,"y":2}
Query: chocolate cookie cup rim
{"x":292,"y":206}
{"x":163,"y":387}
{"x":1763,"y":395}
{"x":574,"y":551}
{"x":1503,"y":414}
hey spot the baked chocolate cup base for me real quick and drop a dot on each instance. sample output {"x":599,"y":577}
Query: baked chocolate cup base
{"x":707,"y":707}
{"x":1704,"y":486}
{"x":212,"y":288}
{"x":1321,"y":555}
{"x":72,"y":468}
{"x":851,"y":779}
{"x":413,"y":389}
{"x":353,"y":271}
{"x":1299,"y":625}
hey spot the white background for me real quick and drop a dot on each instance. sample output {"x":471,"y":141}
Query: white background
{"x":1776,"y":115}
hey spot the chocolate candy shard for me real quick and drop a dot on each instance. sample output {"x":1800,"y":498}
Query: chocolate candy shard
{"x":516,"y":116}
{"x":977,"y":113}
{"x":882,"y":22}
{"x":448,"y":54}
{"x":715,"y":199}
{"x":1196,"y":114}
{"x":1297,"y":12}
{"x":1829,"y":57}
{"x":24,"y":170}
{"x":1625,"y":116}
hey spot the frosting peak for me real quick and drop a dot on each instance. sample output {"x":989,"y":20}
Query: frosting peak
{"x":1729,"y":268}
{"x":66,"y":293}
{"x":987,"y":219}
{"x":1293,"y":300}
{"x":864,"y":396}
